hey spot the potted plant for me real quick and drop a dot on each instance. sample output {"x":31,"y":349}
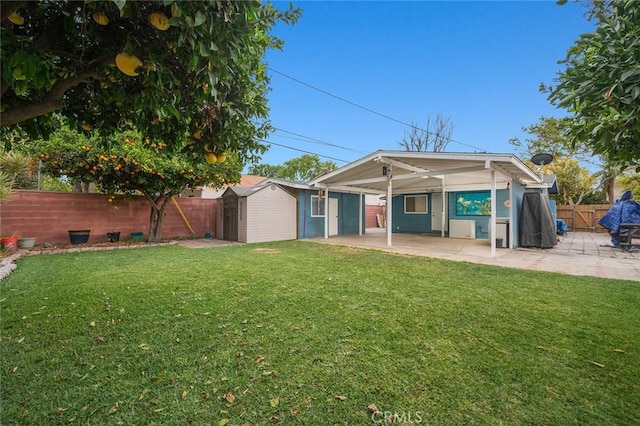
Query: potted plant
{"x":79,"y":236}
{"x":10,"y":243}
{"x":26,"y":242}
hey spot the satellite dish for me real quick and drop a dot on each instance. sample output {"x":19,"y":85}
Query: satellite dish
{"x":542,"y":159}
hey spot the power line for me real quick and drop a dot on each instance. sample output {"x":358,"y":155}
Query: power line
{"x":306,"y":152}
{"x":369,"y":109}
{"x":309,"y":139}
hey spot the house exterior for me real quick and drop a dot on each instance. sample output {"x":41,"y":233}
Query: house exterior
{"x":257,"y":214}
{"x":288,"y":210}
{"x":455,"y":195}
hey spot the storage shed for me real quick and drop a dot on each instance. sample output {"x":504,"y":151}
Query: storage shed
{"x":257,"y":214}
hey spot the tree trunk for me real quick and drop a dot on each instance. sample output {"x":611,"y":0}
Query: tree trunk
{"x":158,"y":212}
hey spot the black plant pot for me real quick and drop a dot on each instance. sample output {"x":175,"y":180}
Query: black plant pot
{"x":79,"y":237}
{"x":113,"y":237}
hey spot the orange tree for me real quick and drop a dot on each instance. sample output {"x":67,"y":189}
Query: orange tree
{"x":127,"y":163}
{"x":166,"y":68}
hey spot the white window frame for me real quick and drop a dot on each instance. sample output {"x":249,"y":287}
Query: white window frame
{"x":426,"y":204}
{"x":320,"y":206}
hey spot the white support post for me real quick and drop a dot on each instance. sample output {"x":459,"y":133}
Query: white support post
{"x":443,"y":213}
{"x":360,"y":215}
{"x":511,"y":204}
{"x":326,"y":213}
{"x":389,"y":208}
{"x":492,"y":224}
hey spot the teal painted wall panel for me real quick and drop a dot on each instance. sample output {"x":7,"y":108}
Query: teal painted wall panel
{"x":410,"y":223}
{"x":348,"y":206}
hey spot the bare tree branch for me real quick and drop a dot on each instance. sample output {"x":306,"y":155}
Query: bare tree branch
{"x":433,"y":138}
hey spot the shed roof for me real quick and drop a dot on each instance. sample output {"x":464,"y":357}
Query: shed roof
{"x":413,"y":172}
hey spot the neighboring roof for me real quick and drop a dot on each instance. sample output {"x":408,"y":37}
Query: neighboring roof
{"x":245,"y":181}
{"x":249,"y":180}
{"x":427,"y":171}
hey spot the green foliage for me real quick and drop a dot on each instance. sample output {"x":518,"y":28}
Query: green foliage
{"x":203,"y":75}
{"x":552,"y":135}
{"x":600,"y":85}
{"x":266,"y":170}
{"x":13,"y":165}
{"x":631,"y":182}
{"x":170,"y":335}
{"x":303,"y":168}
{"x":574,"y":182}
{"x":126,"y":163}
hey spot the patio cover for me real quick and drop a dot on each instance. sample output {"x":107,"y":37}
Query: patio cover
{"x":406,"y":172}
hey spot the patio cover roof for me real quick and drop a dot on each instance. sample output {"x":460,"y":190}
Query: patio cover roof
{"x":413,"y":172}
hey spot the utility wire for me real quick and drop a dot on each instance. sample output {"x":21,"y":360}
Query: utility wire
{"x":304,"y":138}
{"x":369,"y":109}
{"x":302,"y":150}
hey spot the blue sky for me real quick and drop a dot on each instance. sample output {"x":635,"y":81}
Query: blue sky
{"x":479,"y":63}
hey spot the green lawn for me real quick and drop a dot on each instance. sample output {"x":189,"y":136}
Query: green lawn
{"x":304,"y":333}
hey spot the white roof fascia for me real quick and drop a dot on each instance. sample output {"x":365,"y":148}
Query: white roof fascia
{"x":343,"y":168}
{"x":363,"y":181}
{"x":518,"y":163}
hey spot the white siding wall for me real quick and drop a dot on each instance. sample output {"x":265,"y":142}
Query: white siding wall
{"x":243,"y":220}
{"x":271,"y":215}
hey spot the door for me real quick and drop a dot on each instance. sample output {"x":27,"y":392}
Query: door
{"x":333,"y":216}
{"x":436,"y":211}
{"x":230,"y":218}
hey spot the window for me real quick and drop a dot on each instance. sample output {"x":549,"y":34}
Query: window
{"x":415,"y":204}
{"x":317,"y":206}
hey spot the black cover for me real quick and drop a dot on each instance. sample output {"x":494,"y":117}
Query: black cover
{"x":536,"y":222}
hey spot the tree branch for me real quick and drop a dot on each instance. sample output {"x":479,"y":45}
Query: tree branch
{"x":51,"y":102}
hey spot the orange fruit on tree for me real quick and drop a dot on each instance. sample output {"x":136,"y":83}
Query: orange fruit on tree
{"x":16,"y":19}
{"x":128,"y":63}
{"x":101,"y":18}
{"x":159,"y":21}
{"x":222,"y":157}
{"x":211,"y":158}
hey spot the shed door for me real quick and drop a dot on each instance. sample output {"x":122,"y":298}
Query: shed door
{"x":231,"y":218}
{"x":333,"y":216}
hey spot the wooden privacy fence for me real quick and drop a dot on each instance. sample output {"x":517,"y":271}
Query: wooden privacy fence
{"x":583,"y":218}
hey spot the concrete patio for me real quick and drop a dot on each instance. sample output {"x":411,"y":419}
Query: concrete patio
{"x":577,"y":253}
